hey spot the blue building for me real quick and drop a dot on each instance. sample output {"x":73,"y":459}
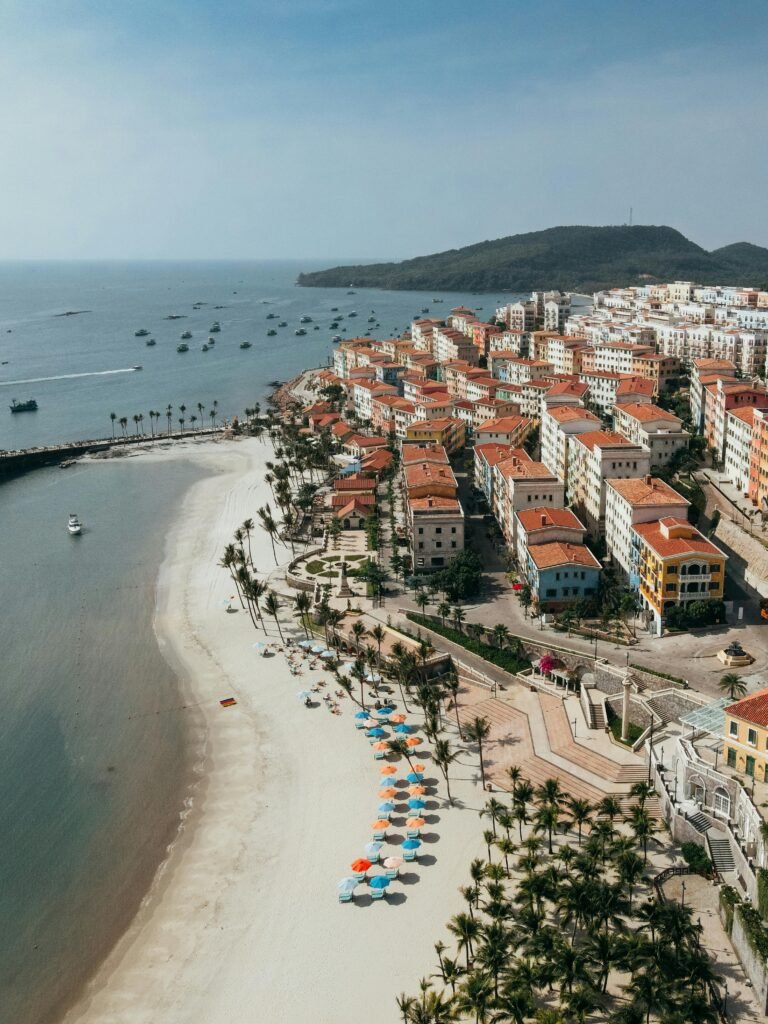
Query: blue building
{"x":560,"y":573}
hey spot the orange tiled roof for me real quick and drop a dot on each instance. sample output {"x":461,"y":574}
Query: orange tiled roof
{"x":340,"y":500}
{"x":636,"y":386}
{"x":353,"y":505}
{"x":439,"y":423}
{"x":419,"y":474}
{"x":412,"y":453}
{"x":563,"y":413}
{"x":648,"y":491}
{"x":545,"y":556}
{"x":751,"y":709}
{"x":542,"y":517}
{"x":669,"y":547}
{"x":503,"y":424}
{"x":643,"y":413}
{"x":605,"y":439}
{"x":515,"y":468}
{"x":355,"y":483}
{"x":434,"y":501}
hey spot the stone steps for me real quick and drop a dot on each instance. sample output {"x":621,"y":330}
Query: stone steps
{"x":701,"y":822}
{"x":563,"y":744}
{"x":720,"y":852}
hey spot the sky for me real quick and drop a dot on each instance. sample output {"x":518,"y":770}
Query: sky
{"x":347,"y":129}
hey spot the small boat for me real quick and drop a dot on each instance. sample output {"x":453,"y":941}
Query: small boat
{"x":211,"y":341}
{"x":351,"y":293}
{"x":283,"y":323}
{"x":334,"y":325}
{"x":175,"y":316}
{"x":185,"y":335}
{"x":305,"y":320}
{"x":336,"y":338}
{"x":271,"y":316}
{"x":334,"y":309}
{"x":141,"y":333}
{"x":353,"y":313}
{"x":74,"y":526}
{"x":371,"y":319}
{"x":245,"y":344}
{"x":204,"y":348}
{"x":138,"y":366}
{"x":29,"y":406}
{"x":316,"y":327}
{"x":271,"y":334}
{"x":150,"y":342}
{"x":300,"y":331}
{"x":183,"y":347}
{"x":215,"y":327}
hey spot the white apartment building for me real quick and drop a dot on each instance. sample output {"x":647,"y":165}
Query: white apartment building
{"x":557,"y":426}
{"x":437,"y":531}
{"x":545,"y":525}
{"x":593,"y":458}
{"x":661,"y":432}
{"x":521,"y":483}
{"x":628,"y":502}
{"x":739,"y":425}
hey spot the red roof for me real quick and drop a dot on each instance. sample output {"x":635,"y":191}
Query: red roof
{"x":751,"y":709}
{"x":693,"y":543}
{"x":355,"y":483}
{"x":353,"y":505}
{"x":502,"y":425}
{"x":544,"y":556}
{"x":412,"y":453}
{"x":604,"y":439}
{"x":340,"y":500}
{"x":542,"y":518}
{"x":434,"y":501}
{"x":377,"y":460}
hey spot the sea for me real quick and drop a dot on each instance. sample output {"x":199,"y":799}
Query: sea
{"x":94,"y":759}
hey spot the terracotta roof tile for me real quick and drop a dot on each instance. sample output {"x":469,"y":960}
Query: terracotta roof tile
{"x":545,"y":556}
{"x":605,"y":439}
{"x":542,"y":518}
{"x":647,"y":491}
{"x":668,"y":547}
{"x":751,"y":709}
{"x":413,"y":453}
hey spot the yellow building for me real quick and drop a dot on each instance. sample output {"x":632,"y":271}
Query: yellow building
{"x":677,"y":565}
{"x":745,"y":743}
{"x":447,"y":431}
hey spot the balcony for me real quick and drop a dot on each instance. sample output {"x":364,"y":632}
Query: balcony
{"x":695,"y":578}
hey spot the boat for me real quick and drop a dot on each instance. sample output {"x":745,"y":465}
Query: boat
{"x":204,"y":348}
{"x":336,"y":338}
{"x":245,"y":344}
{"x":29,"y":406}
{"x":185,"y":335}
{"x":353,"y":313}
{"x":150,"y":342}
{"x":425,"y":309}
{"x":300,"y":331}
{"x":141,"y":333}
{"x":371,"y":319}
{"x":351,"y":293}
{"x":183,"y":347}
{"x":271,"y":334}
{"x":215,"y":327}
{"x":138,"y":366}
{"x":74,"y":526}
{"x":334,"y":309}
{"x":271,"y":316}
{"x":305,"y":320}
{"x":283,"y":323}
{"x":316,"y":327}
{"x":334,"y":325}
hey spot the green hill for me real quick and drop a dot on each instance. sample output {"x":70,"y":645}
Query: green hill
{"x":580,"y":259}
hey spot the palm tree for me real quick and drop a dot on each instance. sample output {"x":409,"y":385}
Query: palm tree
{"x":378,"y":635}
{"x":113,"y":417}
{"x":181,"y":423}
{"x":302,"y":604}
{"x":135,"y":418}
{"x":466,"y":929}
{"x":733,"y":685}
{"x":549,"y":792}
{"x":452,"y":686}
{"x":546,"y":819}
{"x":272,"y":607}
{"x":444,"y":757}
{"x":247,"y":528}
{"x":525,"y":596}
{"x":269,"y":525}
{"x":477,"y":732}
{"x":422,"y":600}
{"x":581,"y":813}
{"x":358,"y":631}
{"x":123,"y":423}
{"x":500,"y":634}
{"x":641,"y":790}
{"x":169,"y":416}
{"x":443,"y":610}
{"x":457,"y":617}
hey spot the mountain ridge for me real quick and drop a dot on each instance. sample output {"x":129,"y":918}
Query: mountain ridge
{"x":569,"y":258}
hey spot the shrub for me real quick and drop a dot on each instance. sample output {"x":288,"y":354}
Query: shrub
{"x":696,"y":858}
{"x":762,"y":892}
{"x":634,"y":732}
{"x":661,"y":675}
{"x":757,"y":936}
{"x":505,"y":659}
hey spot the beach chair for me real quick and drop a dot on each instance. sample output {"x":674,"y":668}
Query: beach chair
{"x":377,"y":894}
{"x":412,"y":833}
{"x":409,"y":855}
{"x":378,"y":755}
{"x":345,"y":897}
{"x":392,"y":872}
{"x":373,"y":857}
{"x":361,"y":725}
{"x":379,"y":835}
{"x":359,"y":875}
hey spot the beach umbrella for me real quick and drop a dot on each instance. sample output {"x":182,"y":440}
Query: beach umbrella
{"x":401,"y":728}
{"x":378,"y":882}
{"x":387,"y":807}
{"x":380,"y":745}
{"x":259,"y":646}
{"x":380,"y":826}
{"x":373,"y":677}
{"x":417,"y":790}
{"x":411,"y":844}
{"x":304,"y":694}
{"x":346,"y":884}
{"x":413,"y":776}
{"x":389,"y":769}
{"x":346,"y":667}
{"x":306,"y":644}
{"x":361,"y":864}
{"x":328,"y":654}
{"x":416,"y":804}
{"x":362,"y":714}
{"x":415,"y":823}
{"x":388,"y":792}
{"x":413,"y":741}
{"x":375,"y":733}
{"x":399,"y":718}
{"x":317,"y":649}
{"x":393,"y":862}
{"x":419,"y":768}
{"x":385,"y":711}
{"x":372,"y":849}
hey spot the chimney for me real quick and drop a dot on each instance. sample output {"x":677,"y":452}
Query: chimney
{"x":543,"y":519}
{"x":648,"y":479}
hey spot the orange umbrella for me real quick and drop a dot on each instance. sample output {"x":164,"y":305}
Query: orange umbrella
{"x":419,"y":767}
{"x":361,"y":864}
{"x":380,"y":826}
{"x":415,"y":823}
{"x":399,"y":719}
{"x":388,"y":769}
{"x":417,"y":790}
{"x":413,"y":741}
{"x":388,"y":792}
{"x":381,"y":745}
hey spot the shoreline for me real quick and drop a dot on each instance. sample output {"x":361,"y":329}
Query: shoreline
{"x":244,"y":903}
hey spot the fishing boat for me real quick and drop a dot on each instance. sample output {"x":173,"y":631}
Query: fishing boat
{"x":150,"y":342}
{"x":245,"y":344}
{"x":283,"y":323}
{"x":183,"y":347}
{"x":300,"y":332}
{"x":334,"y":309}
{"x":271,"y":334}
{"x":211,"y":341}
{"x":142,"y":333}
{"x":204,"y":348}
{"x":138,"y":366}
{"x":271,"y":316}
{"x":74,"y":526}
{"x":334,"y":325}
{"x":185,"y":335}
{"x":336,"y":338}
{"x":29,"y":406}
{"x":371,"y":319}
{"x":215,"y":327}
{"x":353,"y":313}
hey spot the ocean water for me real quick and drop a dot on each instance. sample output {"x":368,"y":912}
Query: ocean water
{"x":93,"y":758}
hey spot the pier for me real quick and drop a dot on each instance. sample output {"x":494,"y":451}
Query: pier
{"x":18,"y":461}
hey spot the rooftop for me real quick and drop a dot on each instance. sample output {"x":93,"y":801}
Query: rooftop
{"x":412,"y":453}
{"x":436,"y":503}
{"x":543,"y":518}
{"x":545,"y":556}
{"x":751,"y":709}
{"x":647,"y":490}
{"x":604,"y":439}
{"x":644,"y":413}
{"x":661,"y":537}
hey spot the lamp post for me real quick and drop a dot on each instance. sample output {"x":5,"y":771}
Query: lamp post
{"x":574,"y":728}
{"x":682,"y":897}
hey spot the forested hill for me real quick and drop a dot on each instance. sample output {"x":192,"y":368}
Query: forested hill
{"x":574,"y":258}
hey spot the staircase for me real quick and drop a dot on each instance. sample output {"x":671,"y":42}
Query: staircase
{"x":597,"y":717}
{"x":701,"y":823}
{"x":720,"y":852}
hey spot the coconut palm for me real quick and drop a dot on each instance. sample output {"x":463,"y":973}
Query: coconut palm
{"x":477,"y":732}
{"x":457,"y":617}
{"x":248,"y":528}
{"x":113,"y":417}
{"x":272,"y":607}
{"x":302,"y":604}
{"x":443,"y":610}
{"x":358,"y":632}
{"x":732,"y":685}
{"x":269,"y":525}
{"x":580,"y":812}
{"x":444,"y":757}
{"x":500,"y":634}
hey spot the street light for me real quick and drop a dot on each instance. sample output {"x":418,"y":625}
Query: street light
{"x":682,"y":897}
{"x":574,"y":728}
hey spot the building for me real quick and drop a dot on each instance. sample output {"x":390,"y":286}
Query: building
{"x":593,"y":458}
{"x":543,"y":525}
{"x":737,"y":449}
{"x":557,"y":426}
{"x":745,"y":740}
{"x":519,"y":482}
{"x":630,"y":502}
{"x":434,"y":515}
{"x":559,"y":574}
{"x":677,"y":565}
{"x":511,"y":430}
{"x":450,"y":432}
{"x":655,"y":428}
{"x":486,"y":456}
{"x":758,"y":460}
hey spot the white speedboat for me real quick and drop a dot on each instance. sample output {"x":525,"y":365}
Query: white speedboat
{"x":74,"y":526}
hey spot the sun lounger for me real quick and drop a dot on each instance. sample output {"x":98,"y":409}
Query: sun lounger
{"x":409,"y":855}
{"x":359,"y":875}
{"x":379,"y":836}
{"x":392,"y":872}
{"x":377,"y":894}
{"x":345,"y":897}
{"x":378,"y":755}
{"x":411,"y":833}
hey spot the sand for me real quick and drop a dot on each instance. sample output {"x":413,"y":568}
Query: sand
{"x":242,"y":922}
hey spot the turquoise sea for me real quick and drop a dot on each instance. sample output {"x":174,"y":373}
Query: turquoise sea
{"x":93,"y":757}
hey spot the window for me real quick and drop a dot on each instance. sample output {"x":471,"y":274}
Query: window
{"x":733,"y":729}
{"x":551,"y":592}
{"x":453,"y":543}
{"x":722,"y":802}
{"x":730,"y":757}
{"x":421,"y":529}
{"x":438,"y":543}
{"x":453,"y":529}
{"x":750,"y":766}
{"x":714,"y":568}
{"x":672,"y":570}
{"x":438,"y":529}
{"x":670,"y":586}
{"x":421,"y":545}
{"x":752,"y":737}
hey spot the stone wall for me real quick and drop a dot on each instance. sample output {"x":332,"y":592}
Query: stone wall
{"x":672,"y":706}
{"x":638,"y":715}
{"x":752,"y":962}
{"x":746,"y":554}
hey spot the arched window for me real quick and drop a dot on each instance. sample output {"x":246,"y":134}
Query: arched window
{"x":722,"y":802}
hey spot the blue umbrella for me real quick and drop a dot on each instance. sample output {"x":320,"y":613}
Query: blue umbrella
{"x":411,"y":844}
{"x":372,"y":849}
{"x":415,"y":804}
{"x":346,"y":884}
{"x":385,"y":711}
{"x":401,"y":727}
{"x":305,"y":643}
{"x":379,"y":882}
{"x":414,"y":777}
{"x":375,"y":733}
{"x":362,"y":714}
{"x":387,"y":807}
{"x":317,"y":649}
{"x":259,"y":646}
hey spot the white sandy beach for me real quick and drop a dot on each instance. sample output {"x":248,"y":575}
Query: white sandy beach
{"x":243,"y":922}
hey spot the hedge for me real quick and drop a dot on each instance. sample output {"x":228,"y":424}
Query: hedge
{"x":696,"y":858}
{"x":505,"y":659}
{"x":762,"y":892}
{"x":661,"y":675}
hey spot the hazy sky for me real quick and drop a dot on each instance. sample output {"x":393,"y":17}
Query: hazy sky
{"x":332,"y":128}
